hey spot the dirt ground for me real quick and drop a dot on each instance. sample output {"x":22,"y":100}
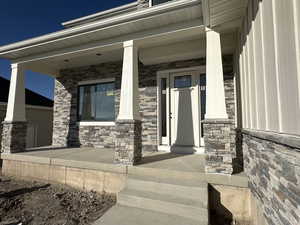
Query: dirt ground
{"x":33,"y":203}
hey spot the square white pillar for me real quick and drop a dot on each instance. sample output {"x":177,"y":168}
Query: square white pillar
{"x":215,"y":91}
{"x":16,"y":100}
{"x":129,"y":100}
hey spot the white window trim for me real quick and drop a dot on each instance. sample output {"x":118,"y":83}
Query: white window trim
{"x":96,"y":123}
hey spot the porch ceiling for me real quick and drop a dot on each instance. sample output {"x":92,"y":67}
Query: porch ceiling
{"x":112,"y":49}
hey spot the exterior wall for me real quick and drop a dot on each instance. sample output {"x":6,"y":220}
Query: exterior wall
{"x":41,"y":118}
{"x":143,"y":4}
{"x":270,"y":66}
{"x":2,"y":117}
{"x":272,"y":164}
{"x":67,"y":132}
{"x":269,"y":62}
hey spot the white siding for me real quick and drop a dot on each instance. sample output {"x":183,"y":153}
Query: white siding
{"x":272,"y":102}
{"x":259,"y":71}
{"x":270,"y":66}
{"x":287,"y":66}
{"x":251,"y":71}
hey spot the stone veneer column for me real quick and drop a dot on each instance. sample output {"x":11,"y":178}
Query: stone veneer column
{"x":217,"y":127}
{"x":128,"y":126}
{"x":219,"y":146}
{"x":15,"y":127}
{"x":128,"y":144}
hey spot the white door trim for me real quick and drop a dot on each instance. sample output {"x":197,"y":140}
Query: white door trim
{"x":165,"y":144}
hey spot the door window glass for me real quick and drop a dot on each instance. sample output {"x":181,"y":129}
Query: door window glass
{"x":183,"y":81}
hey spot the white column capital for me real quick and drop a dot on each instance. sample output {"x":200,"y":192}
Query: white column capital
{"x":15,"y":111}
{"x":215,"y":91}
{"x":130,"y":43}
{"x":17,"y":66}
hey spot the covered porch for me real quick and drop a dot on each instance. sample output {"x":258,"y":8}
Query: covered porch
{"x":159,"y":39}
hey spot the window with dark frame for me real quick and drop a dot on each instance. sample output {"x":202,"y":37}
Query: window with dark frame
{"x":163,"y":107}
{"x":96,"y":102}
{"x":203,"y":99}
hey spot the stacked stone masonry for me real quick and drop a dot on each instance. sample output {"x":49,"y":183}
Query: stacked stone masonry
{"x":273,"y":168}
{"x":143,"y":4}
{"x":67,"y":132}
{"x":13,"y":137}
{"x":128,"y":150}
{"x":219,"y":146}
{"x":2,"y":117}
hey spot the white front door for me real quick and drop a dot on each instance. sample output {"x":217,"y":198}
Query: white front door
{"x":184,"y":112}
{"x":180,"y":111}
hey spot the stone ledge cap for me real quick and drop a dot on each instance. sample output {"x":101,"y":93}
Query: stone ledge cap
{"x":279,"y":138}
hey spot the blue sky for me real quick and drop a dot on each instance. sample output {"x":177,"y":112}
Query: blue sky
{"x":20,"y":20}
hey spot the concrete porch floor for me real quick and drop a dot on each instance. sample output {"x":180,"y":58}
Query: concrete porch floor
{"x":161,"y":165}
{"x":162,"y":160}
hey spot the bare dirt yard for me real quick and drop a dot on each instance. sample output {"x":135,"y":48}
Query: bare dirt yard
{"x":34,"y":203}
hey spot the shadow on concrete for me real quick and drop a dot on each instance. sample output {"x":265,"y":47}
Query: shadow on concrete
{"x":159,"y":157}
{"x":219,"y":215}
{"x":50,"y":148}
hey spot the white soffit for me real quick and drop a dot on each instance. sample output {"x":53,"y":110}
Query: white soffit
{"x":226,"y":11}
{"x":184,"y":50}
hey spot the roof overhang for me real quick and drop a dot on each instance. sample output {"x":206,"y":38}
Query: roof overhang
{"x":223,"y":14}
{"x":176,"y":12}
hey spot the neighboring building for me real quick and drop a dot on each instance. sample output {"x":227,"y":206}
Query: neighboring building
{"x":39,"y":114}
{"x":189,"y":76}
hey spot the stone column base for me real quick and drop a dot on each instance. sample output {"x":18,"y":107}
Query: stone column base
{"x":128,"y":146}
{"x":219,"y":146}
{"x":14,"y":137}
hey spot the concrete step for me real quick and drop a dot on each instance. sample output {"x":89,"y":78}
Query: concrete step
{"x":171,"y":188}
{"x":165,"y":203}
{"x":121,"y":215}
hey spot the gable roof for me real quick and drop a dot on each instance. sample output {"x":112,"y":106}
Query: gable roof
{"x":31,"y":98}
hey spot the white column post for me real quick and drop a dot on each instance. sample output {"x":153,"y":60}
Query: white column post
{"x":215,"y":92}
{"x":129,"y":102}
{"x":16,"y":100}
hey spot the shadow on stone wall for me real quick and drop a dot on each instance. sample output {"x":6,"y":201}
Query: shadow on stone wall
{"x":238,"y":162}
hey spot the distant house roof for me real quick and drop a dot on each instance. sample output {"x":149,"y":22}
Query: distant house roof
{"x":32,"y":98}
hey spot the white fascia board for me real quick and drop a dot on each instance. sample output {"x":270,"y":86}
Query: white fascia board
{"x":57,"y":36}
{"x":99,"y":15}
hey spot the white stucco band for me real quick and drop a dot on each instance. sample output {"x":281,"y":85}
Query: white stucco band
{"x":129,"y":101}
{"x":215,"y":93}
{"x":16,"y":99}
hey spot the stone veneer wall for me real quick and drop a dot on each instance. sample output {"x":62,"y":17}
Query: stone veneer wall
{"x":143,"y":4}
{"x":2,"y":117}
{"x":66,"y":132}
{"x":272,"y":163}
